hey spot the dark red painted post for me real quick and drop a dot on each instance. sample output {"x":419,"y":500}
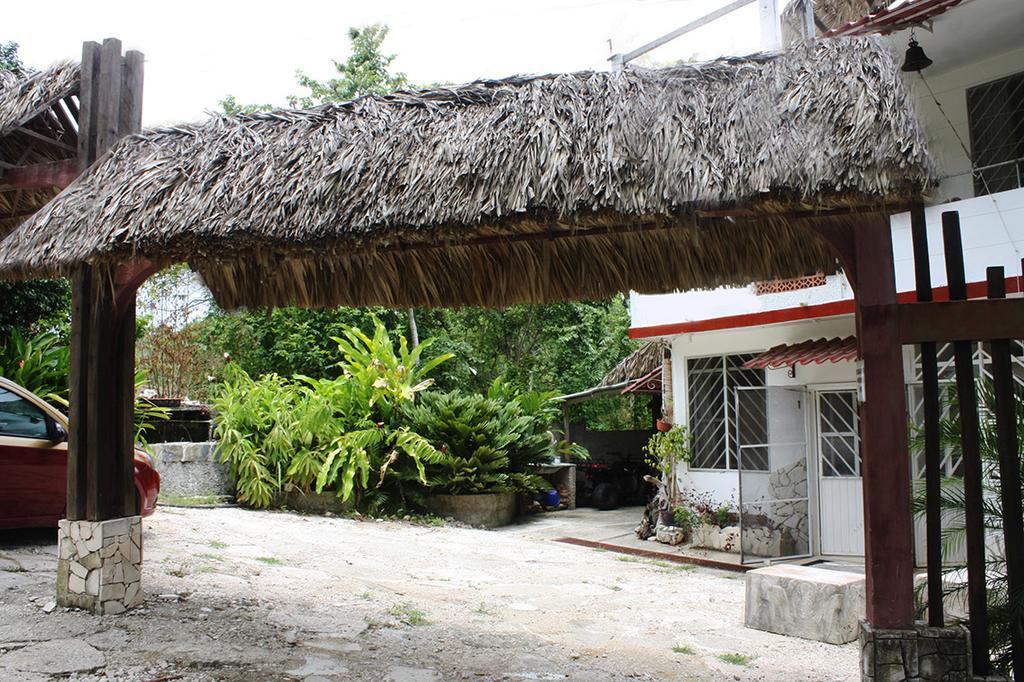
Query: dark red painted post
{"x":932,"y":449}
{"x":886,"y":464}
{"x":970,"y":451}
{"x":1009,"y":472}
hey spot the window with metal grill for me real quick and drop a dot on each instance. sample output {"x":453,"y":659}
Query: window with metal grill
{"x":715,"y":428}
{"x":995,"y":115}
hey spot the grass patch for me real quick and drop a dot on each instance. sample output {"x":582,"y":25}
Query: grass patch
{"x":205,"y":568}
{"x":683,"y":649}
{"x":735,"y":659}
{"x":366,"y":596}
{"x":269,"y":560}
{"x":482,"y":609}
{"x":629,"y":559}
{"x":209,"y":556}
{"x":217,"y":544}
{"x":178,"y":572}
{"x":408,"y":614}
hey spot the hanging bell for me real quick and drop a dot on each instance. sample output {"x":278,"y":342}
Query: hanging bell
{"x":916,"y":59}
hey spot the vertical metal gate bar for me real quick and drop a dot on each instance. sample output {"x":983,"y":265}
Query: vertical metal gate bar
{"x":932,"y":454}
{"x":739,"y":479}
{"x":1009,"y":475}
{"x":967,"y":400}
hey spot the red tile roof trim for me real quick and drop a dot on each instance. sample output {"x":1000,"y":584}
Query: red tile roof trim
{"x":890,"y":19}
{"x":802,"y":312}
{"x":816,"y":351}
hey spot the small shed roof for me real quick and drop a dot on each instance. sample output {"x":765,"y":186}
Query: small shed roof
{"x":638,"y":364}
{"x":523,"y":189}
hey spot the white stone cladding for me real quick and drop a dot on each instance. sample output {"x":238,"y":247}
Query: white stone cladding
{"x":100,"y":564}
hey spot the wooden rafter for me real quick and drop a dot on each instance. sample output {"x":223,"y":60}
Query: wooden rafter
{"x":40,"y":176}
{"x":48,"y":140}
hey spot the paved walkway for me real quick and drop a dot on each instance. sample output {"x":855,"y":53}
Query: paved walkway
{"x":241,"y":595}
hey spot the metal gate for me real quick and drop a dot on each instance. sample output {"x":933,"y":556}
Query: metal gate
{"x":772,"y":467}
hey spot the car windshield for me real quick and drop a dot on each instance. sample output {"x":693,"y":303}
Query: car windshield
{"x":19,"y":417}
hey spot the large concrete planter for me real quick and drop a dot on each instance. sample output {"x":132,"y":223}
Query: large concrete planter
{"x":311,"y":503}
{"x":489,"y":510}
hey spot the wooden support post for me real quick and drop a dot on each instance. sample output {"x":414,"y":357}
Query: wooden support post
{"x":932,"y":454}
{"x":102,"y":383}
{"x":885,"y":461}
{"x":967,"y":401}
{"x":1009,"y":472}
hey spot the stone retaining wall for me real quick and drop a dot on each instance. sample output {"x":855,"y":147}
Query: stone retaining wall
{"x":191,"y":470}
{"x":921,"y":654}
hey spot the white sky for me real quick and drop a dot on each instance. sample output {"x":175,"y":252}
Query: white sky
{"x":198,"y":52}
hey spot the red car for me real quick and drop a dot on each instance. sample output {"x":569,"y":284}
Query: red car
{"x":33,"y":462}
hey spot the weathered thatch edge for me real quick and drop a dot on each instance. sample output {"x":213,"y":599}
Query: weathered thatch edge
{"x":403,"y":200}
{"x":637,"y":364}
{"x":24,"y":98}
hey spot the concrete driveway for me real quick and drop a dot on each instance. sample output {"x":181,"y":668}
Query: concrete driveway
{"x":234,"y":594}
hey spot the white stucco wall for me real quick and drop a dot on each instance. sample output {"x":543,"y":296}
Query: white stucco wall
{"x":723,"y":485}
{"x":950,"y":88}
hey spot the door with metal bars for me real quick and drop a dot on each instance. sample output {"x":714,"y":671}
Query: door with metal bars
{"x":772,"y":464}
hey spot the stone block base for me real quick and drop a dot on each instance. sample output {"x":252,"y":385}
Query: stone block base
{"x":99,"y":565}
{"x":803,"y":601}
{"x":918,"y":654}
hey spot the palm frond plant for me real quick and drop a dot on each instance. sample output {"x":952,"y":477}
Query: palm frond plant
{"x":40,"y":363}
{"x":1005,"y":610}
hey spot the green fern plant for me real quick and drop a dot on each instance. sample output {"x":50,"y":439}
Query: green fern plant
{"x":39,"y":364}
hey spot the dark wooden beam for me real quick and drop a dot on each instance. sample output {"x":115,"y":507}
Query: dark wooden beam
{"x":888,"y":528}
{"x":970,"y":450}
{"x":1009,"y":474}
{"x":932,"y":446}
{"x":42,"y":175}
{"x":944,"y":321}
{"x":43,"y":138}
{"x":101,"y":429}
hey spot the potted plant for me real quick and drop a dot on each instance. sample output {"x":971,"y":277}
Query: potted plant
{"x":665,"y":450}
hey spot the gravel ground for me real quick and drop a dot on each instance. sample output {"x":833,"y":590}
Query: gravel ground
{"x":239,"y":595}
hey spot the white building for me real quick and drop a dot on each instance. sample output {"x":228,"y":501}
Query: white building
{"x":757,"y":429}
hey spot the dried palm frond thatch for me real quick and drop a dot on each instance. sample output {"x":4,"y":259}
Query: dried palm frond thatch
{"x":26,"y":102}
{"x":523,"y":189}
{"x":828,"y":14}
{"x":637,"y":364}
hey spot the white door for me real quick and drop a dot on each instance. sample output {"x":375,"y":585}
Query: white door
{"x":840,"y":499}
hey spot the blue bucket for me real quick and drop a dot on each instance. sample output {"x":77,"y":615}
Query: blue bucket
{"x":552,"y":499}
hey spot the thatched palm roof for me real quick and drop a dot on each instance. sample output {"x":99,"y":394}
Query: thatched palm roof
{"x":637,"y":364}
{"x":828,"y":14}
{"x":496,"y":192}
{"x":26,"y":103}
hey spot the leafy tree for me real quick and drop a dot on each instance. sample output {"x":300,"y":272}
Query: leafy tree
{"x":365,"y":72}
{"x":231,"y":106}
{"x":9,"y":59}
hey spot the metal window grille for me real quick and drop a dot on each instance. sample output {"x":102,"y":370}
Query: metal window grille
{"x":839,"y":433}
{"x":995,"y":115}
{"x":713,"y":422}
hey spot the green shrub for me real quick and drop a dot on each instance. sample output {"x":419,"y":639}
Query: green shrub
{"x":666,"y":448}
{"x":329,"y":434}
{"x":684,"y":517}
{"x":40,"y":364}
